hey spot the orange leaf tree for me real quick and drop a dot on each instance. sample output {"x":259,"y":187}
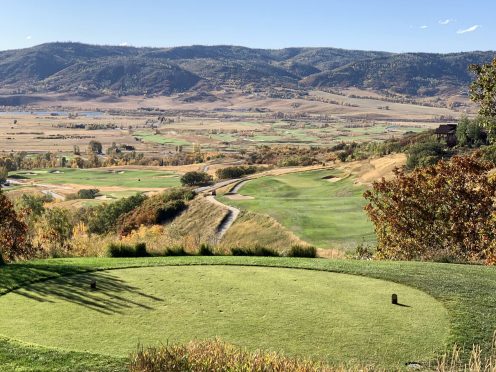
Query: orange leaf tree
{"x":12,"y":232}
{"x":443,"y":211}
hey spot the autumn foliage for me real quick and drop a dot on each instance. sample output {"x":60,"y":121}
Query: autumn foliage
{"x":12,"y":232}
{"x":443,"y":212}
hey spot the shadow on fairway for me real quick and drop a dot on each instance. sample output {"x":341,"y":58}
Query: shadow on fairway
{"x":108,"y":297}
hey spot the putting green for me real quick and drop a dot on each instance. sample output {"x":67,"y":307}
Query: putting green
{"x":336,"y":317}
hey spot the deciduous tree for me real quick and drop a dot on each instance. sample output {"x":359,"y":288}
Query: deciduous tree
{"x":483,"y":91}
{"x":445,"y":211}
{"x":13,"y":231}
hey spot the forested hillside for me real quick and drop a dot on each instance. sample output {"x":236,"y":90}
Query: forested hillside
{"x":115,"y":70}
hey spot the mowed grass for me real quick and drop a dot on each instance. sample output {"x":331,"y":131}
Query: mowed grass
{"x":315,"y":314}
{"x":161,"y":139}
{"x":103,"y":177}
{"x":467,"y":292}
{"x":323,"y":213}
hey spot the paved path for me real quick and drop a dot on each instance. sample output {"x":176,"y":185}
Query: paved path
{"x":224,"y":225}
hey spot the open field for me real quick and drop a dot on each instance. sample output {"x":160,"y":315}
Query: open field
{"x":290,"y":299}
{"x":234,"y":121}
{"x":322,"y":207}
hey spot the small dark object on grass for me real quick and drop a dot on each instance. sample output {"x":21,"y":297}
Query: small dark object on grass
{"x":394,"y":299}
{"x":93,"y":284}
{"x":413,"y":365}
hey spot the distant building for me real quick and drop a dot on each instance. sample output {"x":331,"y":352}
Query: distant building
{"x":447,"y":132}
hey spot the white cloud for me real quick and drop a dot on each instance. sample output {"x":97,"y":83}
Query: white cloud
{"x":125,"y":43}
{"x":470,"y":29}
{"x":424,"y":27}
{"x":445,"y":21}
{"x":29,"y":37}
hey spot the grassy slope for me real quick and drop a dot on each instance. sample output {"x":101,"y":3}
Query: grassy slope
{"x":468,"y":292}
{"x":199,"y":222}
{"x":252,"y":229}
{"x":296,"y":311}
{"x":325,"y":214}
{"x":103,"y":177}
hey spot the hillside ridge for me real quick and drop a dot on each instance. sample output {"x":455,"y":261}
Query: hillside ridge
{"x":83,"y":69}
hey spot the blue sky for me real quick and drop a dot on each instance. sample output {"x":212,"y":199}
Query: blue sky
{"x":393,"y":25}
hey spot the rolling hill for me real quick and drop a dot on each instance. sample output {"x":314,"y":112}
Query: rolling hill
{"x":115,"y":70}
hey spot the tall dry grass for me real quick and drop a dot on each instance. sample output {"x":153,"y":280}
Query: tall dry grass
{"x":253,"y":229}
{"x":207,"y":356}
{"x":216,"y":355}
{"x":477,"y":361}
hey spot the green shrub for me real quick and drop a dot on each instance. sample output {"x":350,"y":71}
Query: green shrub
{"x":196,"y":179}
{"x":87,"y":193}
{"x":103,"y":218}
{"x":206,"y":250}
{"x":155,"y":210}
{"x":363,"y":252}
{"x":424,"y":154}
{"x":236,"y":171}
{"x":140,"y":249}
{"x":125,"y":250}
{"x":175,"y":251}
{"x":302,"y":251}
{"x":256,"y":251}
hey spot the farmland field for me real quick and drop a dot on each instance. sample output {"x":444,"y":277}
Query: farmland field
{"x":323,"y":207}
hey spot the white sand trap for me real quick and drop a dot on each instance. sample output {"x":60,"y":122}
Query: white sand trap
{"x":238,"y":197}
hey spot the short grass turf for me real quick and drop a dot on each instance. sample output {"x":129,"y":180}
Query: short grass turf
{"x":325,"y":214}
{"x":327,"y":316}
{"x":103,"y":177}
{"x":468,"y":294}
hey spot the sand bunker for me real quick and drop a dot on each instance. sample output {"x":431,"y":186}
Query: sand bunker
{"x":238,"y":197}
{"x":332,"y":178}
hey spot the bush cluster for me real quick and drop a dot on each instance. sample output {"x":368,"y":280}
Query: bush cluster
{"x":104,"y":218}
{"x":256,"y":251}
{"x":155,"y":210}
{"x":302,"y":251}
{"x":236,"y":171}
{"x":126,"y":250}
{"x":196,"y":179}
{"x":84,"y":194}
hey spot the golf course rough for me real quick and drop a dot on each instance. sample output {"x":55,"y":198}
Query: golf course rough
{"x":316,"y":314}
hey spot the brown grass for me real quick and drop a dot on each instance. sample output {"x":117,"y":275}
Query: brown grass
{"x":253,"y":229}
{"x":215,"y":355}
{"x":206,"y":356}
{"x":198,"y":223}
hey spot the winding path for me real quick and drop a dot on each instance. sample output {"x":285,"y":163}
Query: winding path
{"x":227,"y":221}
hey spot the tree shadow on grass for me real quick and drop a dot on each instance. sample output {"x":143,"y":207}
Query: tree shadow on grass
{"x":111,"y":295}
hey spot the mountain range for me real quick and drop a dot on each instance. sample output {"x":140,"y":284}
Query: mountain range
{"x":116,"y":70}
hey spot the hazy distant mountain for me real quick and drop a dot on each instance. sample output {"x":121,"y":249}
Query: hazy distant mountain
{"x":109,"y":70}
